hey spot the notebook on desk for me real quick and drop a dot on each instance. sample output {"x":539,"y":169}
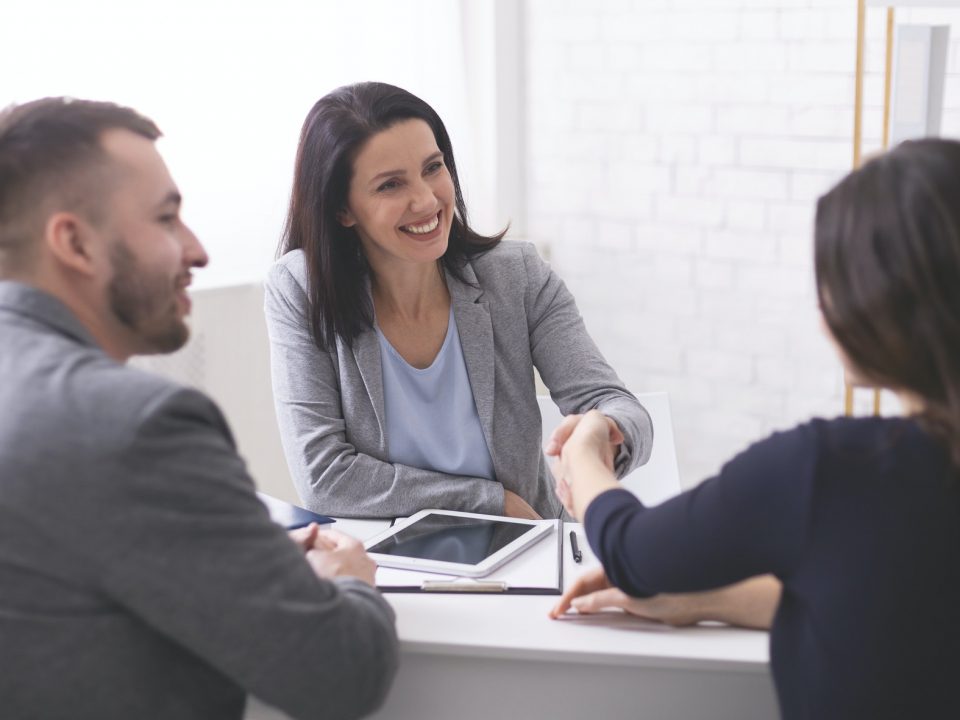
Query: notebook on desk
{"x":538,"y":570}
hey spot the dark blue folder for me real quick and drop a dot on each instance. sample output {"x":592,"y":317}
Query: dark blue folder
{"x":291,"y":516}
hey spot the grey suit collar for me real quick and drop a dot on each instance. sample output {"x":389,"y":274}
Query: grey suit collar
{"x":42,"y":307}
{"x":472,"y":315}
{"x":366,"y":353}
{"x":475,"y":328}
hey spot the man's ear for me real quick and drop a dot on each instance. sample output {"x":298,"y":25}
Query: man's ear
{"x":71,"y":242}
{"x":346,"y":218}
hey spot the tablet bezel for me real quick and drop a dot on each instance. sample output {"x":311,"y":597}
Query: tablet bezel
{"x":538,"y":529}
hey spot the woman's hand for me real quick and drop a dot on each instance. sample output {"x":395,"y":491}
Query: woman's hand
{"x":751,"y":603}
{"x":592,"y":592}
{"x":562,"y":490}
{"x":565,"y":429}
{"x":585,"y":469}
{"x":516,"y":507}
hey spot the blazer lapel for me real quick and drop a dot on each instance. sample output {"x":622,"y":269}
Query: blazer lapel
{"x":366,"y":353}
{"x":476,"y":338}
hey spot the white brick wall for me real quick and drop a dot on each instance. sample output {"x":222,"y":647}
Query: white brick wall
{"x":676,"y":148}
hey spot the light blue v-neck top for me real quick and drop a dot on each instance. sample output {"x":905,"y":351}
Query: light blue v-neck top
{"x":432,"y":419}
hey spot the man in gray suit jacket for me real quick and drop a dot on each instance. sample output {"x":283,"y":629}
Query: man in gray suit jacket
{"x":140,"y":577}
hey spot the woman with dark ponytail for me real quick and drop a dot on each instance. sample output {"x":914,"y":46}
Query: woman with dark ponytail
{"x":842,"y":536}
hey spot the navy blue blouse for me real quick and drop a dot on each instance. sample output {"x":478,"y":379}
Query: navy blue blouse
{"x":860,"y":520}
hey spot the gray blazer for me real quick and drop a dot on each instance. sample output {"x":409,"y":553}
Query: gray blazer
{"x":140,"y":577}
{"x":520,"y":315}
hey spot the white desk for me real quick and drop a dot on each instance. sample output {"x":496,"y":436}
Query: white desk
{"x":480,"y":656}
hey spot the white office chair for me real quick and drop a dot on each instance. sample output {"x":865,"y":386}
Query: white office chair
{"x":228,"y":357}
{"x":659,"y":478}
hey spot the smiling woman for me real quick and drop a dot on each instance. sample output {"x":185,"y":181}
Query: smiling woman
{"x":402,"y":216}
{"x":403,"y":343}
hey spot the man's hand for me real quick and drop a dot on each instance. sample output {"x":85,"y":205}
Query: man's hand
{"x":335,"y":554}
{"x":516,"y":507}
{"x":304,"y":537}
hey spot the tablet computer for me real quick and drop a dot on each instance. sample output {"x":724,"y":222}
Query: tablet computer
{"x":455,"y":543}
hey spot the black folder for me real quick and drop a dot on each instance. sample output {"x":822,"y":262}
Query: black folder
{"x":490,"y":585}
{"x":291,"y":516}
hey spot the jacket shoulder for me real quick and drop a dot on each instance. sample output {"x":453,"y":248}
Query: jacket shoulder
{"x":122,"y":397}
{"x":289,"y":269}
{"x":509,"y":266}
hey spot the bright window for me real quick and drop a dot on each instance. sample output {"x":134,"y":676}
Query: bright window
{"x":229,"y":83}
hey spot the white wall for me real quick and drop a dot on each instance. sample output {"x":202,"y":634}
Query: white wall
{"x":230,"y":83}
{"x":676,"y":148}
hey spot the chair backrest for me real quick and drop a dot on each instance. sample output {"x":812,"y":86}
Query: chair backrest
{"x":228,"y":357}
{"x":659,"y":478}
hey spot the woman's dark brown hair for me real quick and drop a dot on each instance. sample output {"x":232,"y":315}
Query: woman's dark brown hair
{"x":335,"y":130}
{"x":887,"y":255}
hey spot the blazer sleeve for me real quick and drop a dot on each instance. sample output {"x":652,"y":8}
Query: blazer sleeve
{"x":752,"y":519}
{"x":572,"y":367}
{"x":183,"y":542}
{"x":330,"y":474}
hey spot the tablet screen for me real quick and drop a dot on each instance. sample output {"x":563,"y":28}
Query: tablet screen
{"x":449,"y":538}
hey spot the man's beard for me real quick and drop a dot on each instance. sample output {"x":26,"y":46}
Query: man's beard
{"x":145,"y":303}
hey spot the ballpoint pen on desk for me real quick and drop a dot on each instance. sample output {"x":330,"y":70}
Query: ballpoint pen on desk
{"x":574,"y":547}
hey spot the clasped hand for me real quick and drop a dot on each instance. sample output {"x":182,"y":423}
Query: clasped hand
{"x":332,"y":554}
{"x":579,"y":443}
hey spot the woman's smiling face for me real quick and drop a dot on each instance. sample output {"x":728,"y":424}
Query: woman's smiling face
{"x":401,"y":197}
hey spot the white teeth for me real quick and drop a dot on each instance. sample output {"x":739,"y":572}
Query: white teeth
{"x":422,"y":229}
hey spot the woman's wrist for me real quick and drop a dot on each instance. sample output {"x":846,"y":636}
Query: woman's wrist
{"x":591,"y":478}
{"x":749,"y":603}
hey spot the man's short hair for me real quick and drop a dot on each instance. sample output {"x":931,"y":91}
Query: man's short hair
{"x":51,"y":159}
